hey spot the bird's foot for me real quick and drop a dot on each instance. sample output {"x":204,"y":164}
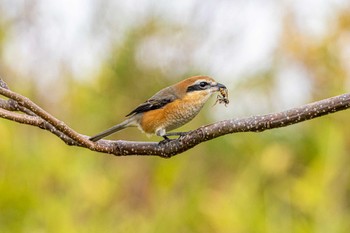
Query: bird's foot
{"x":166,"y":139}
{"x":182,"y":134}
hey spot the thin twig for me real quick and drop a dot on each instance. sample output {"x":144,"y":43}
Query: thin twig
{"x":20,"y":118}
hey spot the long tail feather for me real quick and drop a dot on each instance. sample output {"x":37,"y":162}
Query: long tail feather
{"x":112,"y":130}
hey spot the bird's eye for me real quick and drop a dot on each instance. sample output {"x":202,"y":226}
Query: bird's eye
{"x":203,"y":84}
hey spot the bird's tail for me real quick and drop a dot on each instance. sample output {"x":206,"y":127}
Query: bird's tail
{"x":123,"y":125}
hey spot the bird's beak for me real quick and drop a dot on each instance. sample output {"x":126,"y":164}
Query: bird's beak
{"x":218,"y":86}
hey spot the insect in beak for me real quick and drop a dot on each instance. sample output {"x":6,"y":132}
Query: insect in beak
{"x":223,"y":96}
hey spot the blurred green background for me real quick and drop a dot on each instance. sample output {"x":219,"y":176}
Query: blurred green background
{"x":90,"y":63}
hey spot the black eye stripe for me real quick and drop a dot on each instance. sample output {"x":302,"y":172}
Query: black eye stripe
{"x":198,"y":86}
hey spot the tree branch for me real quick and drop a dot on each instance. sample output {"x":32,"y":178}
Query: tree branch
{"x":22,"y":110}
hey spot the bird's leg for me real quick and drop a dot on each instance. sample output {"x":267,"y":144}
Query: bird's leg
{"x":166,"y":136}
{"x":165,"y":141}
{"x":162,"y":133}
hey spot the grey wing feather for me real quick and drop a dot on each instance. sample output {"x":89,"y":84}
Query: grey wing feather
{"x":159,"y":100}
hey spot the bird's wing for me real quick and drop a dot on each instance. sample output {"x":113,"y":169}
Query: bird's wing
{"x":159,"y":100}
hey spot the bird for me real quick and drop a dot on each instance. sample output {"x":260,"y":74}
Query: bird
{"x":169,"y":108}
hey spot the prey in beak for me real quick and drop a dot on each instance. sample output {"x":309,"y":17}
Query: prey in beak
{"x":223,"y":95}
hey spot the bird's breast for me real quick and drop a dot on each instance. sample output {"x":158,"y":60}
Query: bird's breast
{"x":180,"y":113}
{"x":174,"y":114}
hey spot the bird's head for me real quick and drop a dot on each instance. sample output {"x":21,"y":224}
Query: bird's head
{"x":203,"y":84}
{"x":199,"y":87}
